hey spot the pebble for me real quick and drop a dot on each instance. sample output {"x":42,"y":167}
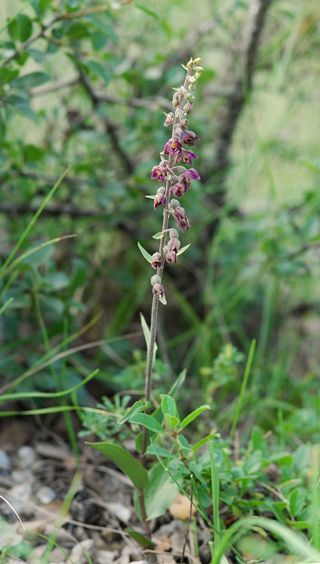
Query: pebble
{"x":45,"y":495}
{"x":80,"y":551}
{"x":5,"y":461}
{"x":26,"y":456}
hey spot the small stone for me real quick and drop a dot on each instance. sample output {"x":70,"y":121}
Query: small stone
{"x":5,"y":461}
{"x":45,"y":495}
{"x":26,"y":456}
{"x":80,"y":551}
{"x":105,"y":557}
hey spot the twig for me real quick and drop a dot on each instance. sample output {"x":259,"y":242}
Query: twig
{"x":242,"y":86}
{"x":111,"y":128}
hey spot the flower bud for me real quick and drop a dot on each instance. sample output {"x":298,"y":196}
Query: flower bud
{"x":174,"y":204}
{"x":198,"y":69}
{"x":169,"y":120}
{"x":158,"y":290}
{"x":179,"y":113}
{"x":171,"y":257}
{"x":176,"y":99}
{"x":156,"y":260}
{"x":155,"y":279}
{"x":174,"y":245}
{"x":196,"y":61}
{"x":192,"y":79}
{"x":184,"y":122}
{"x":173,"y":233}
{"x":184,"y":90}
{"x":188,"y":107}
{"x":177,"y":133}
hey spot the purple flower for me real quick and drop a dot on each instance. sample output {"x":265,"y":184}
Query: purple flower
{"x":186,"y":156}
{"x":191,"y":173}
{"x":160,"y":198}
{"x":171,"y":257}
{"x":158,"y":290}
{"x":180,"y":188}
{"x":173,"y":146}
{"x":174,"y":244}
{"x":190,"y":138}
{"x":156,"y":260}
{"x":180,"y":215}
{"x":160,"y":172}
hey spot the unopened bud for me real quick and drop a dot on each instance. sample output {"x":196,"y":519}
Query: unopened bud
{"x":179,"y":113}
{"x":176,"y":99}
{"x":198,"y":69}
{"x":174,"y":204}
{"x":196,"y":61}
{"x":169,"y":119}
{"x":188,"y":107}
{"x":184,"y":90}
{"x":156,"y":260}
{"x":155,"y":280}
{"x":173,"y":233}
{"x":192,"y":79}
{"x":184,"y":122}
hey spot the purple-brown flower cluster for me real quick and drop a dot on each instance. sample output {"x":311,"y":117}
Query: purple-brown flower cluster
{"x":171,"y":170}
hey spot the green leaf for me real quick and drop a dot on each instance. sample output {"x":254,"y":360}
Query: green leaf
{"x":168,"y":405}
{"x":183,"y":249}
{"x":202,"y":442}
{"x":278,"y":512}
{"x":147,"y":11}
{"x":296,"y":502}
{"x":129,"y":465}
{"x":31,"y":80}
{"x":158,"y":235}
{"x":100,"y":70}
{"x":257,"y":439}
{"x":141,"y":539}
{"x":32,"y":153}
{"x":78,"y":30}
{"x":160,"y":492}
{"x":137,"y":407}
{"x":20,"y":28}
{"x":20,"y":105}
{"x":145,"y":254}
{"x":147,"y":421}
{"x":146,"y":334}
{"x":44,"y":5}
{"x":193,"y":415}
{"x":158,"y":451}
{"x":171,"y":420}
{"x":104,"y":28}
{"x":7,"y":75}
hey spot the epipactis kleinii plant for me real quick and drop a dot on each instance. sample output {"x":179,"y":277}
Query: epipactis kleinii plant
{"x":176,"y":177}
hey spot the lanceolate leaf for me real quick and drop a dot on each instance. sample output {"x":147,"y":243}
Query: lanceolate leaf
{"x":147,"y":421}
{"x":183,"y":249}
{"x":145,"y":254}
{"x":144,"y":541}
{"x":137,"y":407}
{"x":193,"y":415}
{"x":129,"y":465}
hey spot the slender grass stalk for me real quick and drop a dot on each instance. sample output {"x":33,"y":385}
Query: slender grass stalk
{"x":33,"y":220}
{"x":315,"y":496}
{"x":215,"y":487}
{"x":243,"y":389}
